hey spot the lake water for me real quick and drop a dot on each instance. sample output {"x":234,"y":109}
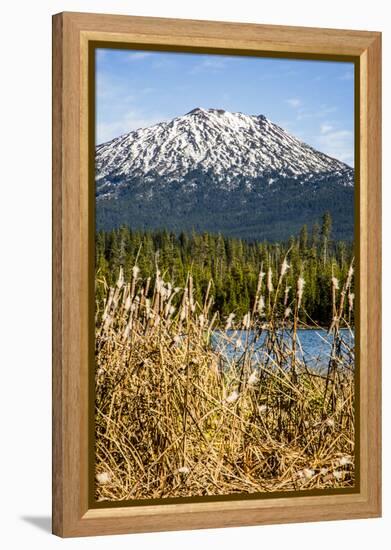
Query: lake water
{"x":315,"y":345}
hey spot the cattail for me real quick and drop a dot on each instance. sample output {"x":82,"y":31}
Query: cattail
{"x":300,"y":288}
{"x":262,"y":408}
{"x":260,"y":279}
{"x":169,"y":310}
{"x":108,"y":321}
{"x":253,"y":378}
{"x":201,"y":319}
{"x":270,"y":280}
{"x":120,"y":280}
{"x":230,"y":319}
{"x":351,"y":300}
{"x":135,"y":271}
{"x":284,"y":267}
{"x":108,"y":304}
{"x":128,"y":303}
{"x":308,"y":473}
{"x":159,"y":283}
{"x":234,"y":396}
{"x":286,"y":294}
{"x":350,"y":276}
{"x":183,"y":312}
{"x":184,"y":308}
{"x":164,"y":292}
{"x":288,"y":311}
{"x":147,"y":306}
{"x":335,"y":283}
{"x":183,"y":470}
{"x":103,"y":478}
{"x":238,"y":343}
{"x":246,"y":321}
{"x":345,"y":460}
{"x":261,"y":306}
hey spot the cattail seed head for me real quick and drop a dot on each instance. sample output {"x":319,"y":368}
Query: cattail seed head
{"x":135,"y":271}
{"x":238,"y":343}
{"x":234,"y":396}
{"x":260,"y":279}
{"x":350,"y":276}
{"x":284,"y":267}
{"x":308,"y":473}
{"x":351,"y":300}
{"x":128,"y":303}
{"x":103,"y":478}
{"x":300,"y":288}
{"x":261,"y":306}
{"x":246,"y":321}
{"x":286,"y":294}
{"x":345,"y":460}
{"x":270,"y":280}
{"x":120,"y":280}
{"x":230,"y":319}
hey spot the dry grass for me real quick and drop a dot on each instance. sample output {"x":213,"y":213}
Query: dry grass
{"x":176,"y":416}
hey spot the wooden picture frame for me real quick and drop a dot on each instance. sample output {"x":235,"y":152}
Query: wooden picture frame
{"x":72,"y":250}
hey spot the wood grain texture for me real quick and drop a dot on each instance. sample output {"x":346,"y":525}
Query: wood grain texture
{"x":373,"y":262}
{"x":57,"y":436}
{"x":71,"y":35}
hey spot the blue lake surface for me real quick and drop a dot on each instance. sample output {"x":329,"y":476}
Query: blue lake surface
{"x":313,"y":346}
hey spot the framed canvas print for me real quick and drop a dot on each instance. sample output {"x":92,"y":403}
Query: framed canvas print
{"x":216,"y":268}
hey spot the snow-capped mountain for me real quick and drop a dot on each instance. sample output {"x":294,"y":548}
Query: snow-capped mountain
{"x":211,"y":161}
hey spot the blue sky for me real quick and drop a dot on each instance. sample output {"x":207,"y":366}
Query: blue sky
{"x":313,"y":100}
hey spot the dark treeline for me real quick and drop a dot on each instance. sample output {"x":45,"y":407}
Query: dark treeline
{"x":232,"y":264}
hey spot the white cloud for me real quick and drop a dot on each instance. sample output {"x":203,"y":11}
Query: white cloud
{"x":348,"y":75}
{"x":132,"y":120}
{"x":324,"y":110}
{"x":109,"y":90}
{"x":337,"y":143}
{"x":325,"y":128}
{"x":136,"y":56}
{"x":209,"y":63}
{"x":294,"y":102}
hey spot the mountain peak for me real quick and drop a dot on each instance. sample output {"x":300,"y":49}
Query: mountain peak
{"x":218,"y":159}
{"x":202,"y":111}
{"x":232,"y":146}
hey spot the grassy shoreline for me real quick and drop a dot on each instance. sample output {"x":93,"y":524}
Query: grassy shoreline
{"x":176,"y":418}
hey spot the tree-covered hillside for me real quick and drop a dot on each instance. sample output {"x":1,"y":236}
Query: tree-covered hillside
{"x":232,"y":264}
{"x":262,"y":212}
